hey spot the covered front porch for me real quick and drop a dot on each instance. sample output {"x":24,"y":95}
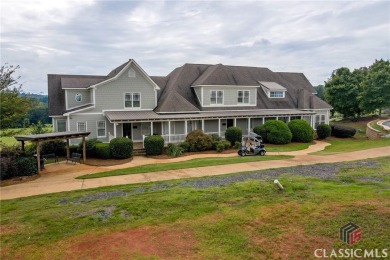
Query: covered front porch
{"x":175,"y":127}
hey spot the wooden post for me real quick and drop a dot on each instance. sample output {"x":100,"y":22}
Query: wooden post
{"x":23,"y":146}
{"x":38,"y":158}
{"x":67,"y":149}
{"x":84,"y":150}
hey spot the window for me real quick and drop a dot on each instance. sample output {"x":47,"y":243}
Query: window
{"x":133,"y":100}
{"x":276,"y":94}
{"x":131,"y":73}
{"x":81,"y":127}
{"x":320,"y":119}
{"x":78,"y":97}
{"x":216,"y":97}
{"x":101,"y":128}
{"x":61,"y":125}
{"x":243,"y":97}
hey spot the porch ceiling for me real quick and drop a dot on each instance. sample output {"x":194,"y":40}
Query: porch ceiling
{"x":131,"y":116}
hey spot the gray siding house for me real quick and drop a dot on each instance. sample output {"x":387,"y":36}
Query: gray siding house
{"x":130,"y":103}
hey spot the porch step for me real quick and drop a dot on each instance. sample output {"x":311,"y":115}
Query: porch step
{"x":137,"y":152}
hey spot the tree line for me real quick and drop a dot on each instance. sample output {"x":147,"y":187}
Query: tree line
{"x":18,"y":109}
{"x":361,"y":91}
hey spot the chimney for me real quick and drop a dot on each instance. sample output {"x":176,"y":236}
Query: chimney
{"x":301,"y":99}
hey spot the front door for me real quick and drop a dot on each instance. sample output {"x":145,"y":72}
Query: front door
{"x":127,"y":130}
{"x":229,"y":123}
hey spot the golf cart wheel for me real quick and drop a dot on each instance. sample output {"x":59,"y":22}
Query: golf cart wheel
{"x":262,"y":153}
{"x":240,"y":153}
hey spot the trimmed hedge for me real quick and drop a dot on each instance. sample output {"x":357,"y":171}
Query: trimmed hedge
{"x":27,"y":166}
{"x":56,"y":147}
{"x":121,"y":148}
{"x":276,"y":132}
{"x":154,"y":145}
{"x":233,"y":134}
{"x":301,"y":131}
{"x":103,"y":151}
{"x":260,"y":130}
{"x":343,"y":131}
{"x":184,"y":146}
{"x":90,"y":147}
{"x":323,"y":131}
{"x":8,"y":167}
{"x":199,"y":141}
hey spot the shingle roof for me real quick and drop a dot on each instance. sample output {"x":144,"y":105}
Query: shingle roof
{"x":80,"y":81}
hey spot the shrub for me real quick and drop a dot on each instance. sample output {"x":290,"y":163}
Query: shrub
{"x":226,"y":144}
{"x":90,"y":147}
{"x":260,"y":130}
{"x":8,"y":168}
{"x":323,"y":131}
{"x":233,"y":134}
{"x":301,"y":131}
{"x":121,"y":148}
{"x":216,"y":138}
{"x":237,"y":145}
{"x":103,"y":151}
{"x":27,"y":166}
{"x":73,"y":149}
{"x":277,"y":132}
{"x":56,"y":147}
{"x":199,"y":141}
{"x":343,"y":131}
{"x":220,"y":147}
{"x":174,"y":150}
{"x":184,"y":146}
{"x":154,"y":145}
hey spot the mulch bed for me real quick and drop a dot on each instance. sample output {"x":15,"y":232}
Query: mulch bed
{"x":165,"y":156}
{"x":109,"y":162}
{"x":18,"y":180}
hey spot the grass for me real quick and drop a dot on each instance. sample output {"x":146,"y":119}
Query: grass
{"x":184,"y":165}
{"x":351,"y":144}
{"x":7,"y":135}
{"x":244,"y":220}
{"x":8,"y":141}
{"x":287,"y":147}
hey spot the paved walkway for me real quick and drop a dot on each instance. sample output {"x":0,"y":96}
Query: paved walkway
{"x":61,"y":177}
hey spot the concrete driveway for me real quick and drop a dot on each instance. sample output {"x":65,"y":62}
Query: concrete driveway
{"x":61,"y":177}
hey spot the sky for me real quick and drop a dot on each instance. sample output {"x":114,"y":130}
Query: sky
{"x":92,"y":37}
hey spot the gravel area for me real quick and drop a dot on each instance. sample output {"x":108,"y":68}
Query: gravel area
{"x":321,"y":171}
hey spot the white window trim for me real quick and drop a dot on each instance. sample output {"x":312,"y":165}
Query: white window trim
{"x":216,"y":97}
{"x":97,"y":128}
{"x":243,"y":94}
{"x":283,"y":94}
{"x":81,"y":122}
{"x":132,"y":108}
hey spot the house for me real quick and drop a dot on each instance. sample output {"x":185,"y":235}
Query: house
{"x":128,"y":102}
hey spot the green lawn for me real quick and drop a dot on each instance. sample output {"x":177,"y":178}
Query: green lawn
{"x":352,"y":144}
{"x":8,"y":141}
{"x":184,"y":165}
{"x":287,"y":147}
{"x":243,"y":220}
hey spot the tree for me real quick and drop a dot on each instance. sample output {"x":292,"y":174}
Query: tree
{"x":13,"y":108}
{"x":320,"y":91}
{"x":376,"y":87}
{"x":343,"y":89}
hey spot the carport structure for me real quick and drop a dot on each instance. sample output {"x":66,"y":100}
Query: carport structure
{"x":59,"y":136}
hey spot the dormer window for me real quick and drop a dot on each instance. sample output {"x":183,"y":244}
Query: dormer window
{"x":273,"y":89}
{"x":216,"y":97}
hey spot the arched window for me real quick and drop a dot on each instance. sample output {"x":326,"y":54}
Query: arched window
{"x":131,"y":73}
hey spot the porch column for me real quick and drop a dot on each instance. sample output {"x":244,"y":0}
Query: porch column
{"x":84,"y":150}
{"x":151,"y":127}
{"x":67,"y":149}
{"x":312,"y":121}
{"x":185,"y":127}
{"x":235,"y":122}
{"x":203,"y":125}
{"x":289,"y":119}
{"x":263,"y":120}
{"x":169,"y":131}
{"x":115,"y":124}
{"x":277,"y":118}
{"x":249,"y":125}
{"x":219,"y":126}
{"x":38,"y":157}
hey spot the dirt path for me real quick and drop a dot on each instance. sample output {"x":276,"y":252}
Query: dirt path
{"x":61,"y":177}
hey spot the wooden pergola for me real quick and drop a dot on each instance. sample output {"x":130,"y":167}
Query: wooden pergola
{"x":59,"y":136}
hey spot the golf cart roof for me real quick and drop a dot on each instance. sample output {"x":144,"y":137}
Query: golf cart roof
{"x":252,"y":136}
